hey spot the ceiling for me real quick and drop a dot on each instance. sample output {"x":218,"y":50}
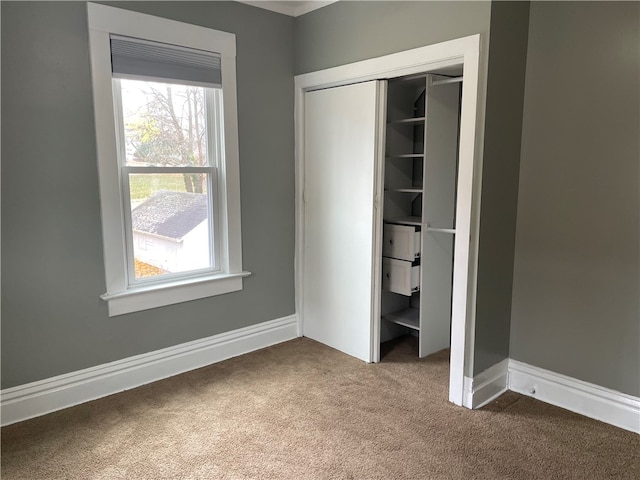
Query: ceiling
{"x":292,"y":8}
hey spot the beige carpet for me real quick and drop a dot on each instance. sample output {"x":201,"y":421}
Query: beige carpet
{"x":300,"y":410}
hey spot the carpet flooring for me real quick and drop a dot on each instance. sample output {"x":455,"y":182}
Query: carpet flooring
{"x":300,"y":410}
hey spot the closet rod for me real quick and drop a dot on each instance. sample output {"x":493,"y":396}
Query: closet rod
{"x":441,"y":230}
{"x":447,"y":80}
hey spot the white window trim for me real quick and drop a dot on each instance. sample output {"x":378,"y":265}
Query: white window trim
{"x":121,"y":297}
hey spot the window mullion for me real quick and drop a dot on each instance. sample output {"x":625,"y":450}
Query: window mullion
{"x":128,"y":231}
{"x":214,"y":245}
{"x":119,"y":118}
{"x":214,"y":158}
{"x":125,"y":196}
{"x":153,"y":169}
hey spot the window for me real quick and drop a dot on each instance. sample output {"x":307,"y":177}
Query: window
{"x":166,"y":131}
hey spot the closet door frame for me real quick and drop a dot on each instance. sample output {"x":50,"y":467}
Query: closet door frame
{"x":464,"y":52}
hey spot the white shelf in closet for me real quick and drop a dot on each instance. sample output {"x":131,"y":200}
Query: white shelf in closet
{"x":417,"y":221}
{"x":409,"y":317}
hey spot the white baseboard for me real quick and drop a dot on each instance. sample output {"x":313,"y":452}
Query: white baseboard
{"x":587,"y":399}
{"x":46,"y":396}
{"x":486,"y":386}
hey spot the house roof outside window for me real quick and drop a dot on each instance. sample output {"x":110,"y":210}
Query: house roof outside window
{"x":170,"y":214}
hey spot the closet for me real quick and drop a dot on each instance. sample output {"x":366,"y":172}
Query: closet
{"x":378,"y":203}
{"x":420,"y":168}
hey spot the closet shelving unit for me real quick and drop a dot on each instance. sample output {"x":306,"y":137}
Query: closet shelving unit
{"x":419,"y":207}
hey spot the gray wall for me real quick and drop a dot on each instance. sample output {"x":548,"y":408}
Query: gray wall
{"x":500,"y":169}
{"x":53,"y":321}
{"x":576,"y":278}
{"x":347,"y":32}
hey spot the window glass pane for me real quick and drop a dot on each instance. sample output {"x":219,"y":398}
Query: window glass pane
{"x":170,"y":223}
{"x":164,"y":124}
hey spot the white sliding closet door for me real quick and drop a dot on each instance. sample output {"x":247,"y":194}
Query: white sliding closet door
{"x":340,"y":172}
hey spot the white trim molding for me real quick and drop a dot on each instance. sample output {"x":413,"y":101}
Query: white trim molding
{"x":581,"y":397}
{"x":52,"y":394}
{"x":486,"y":386}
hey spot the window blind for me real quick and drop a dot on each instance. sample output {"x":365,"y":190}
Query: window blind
{"x":132,"y":57}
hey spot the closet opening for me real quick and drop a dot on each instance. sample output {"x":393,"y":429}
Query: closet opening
{"x":388,"y":174}
{"x":419,"y":204}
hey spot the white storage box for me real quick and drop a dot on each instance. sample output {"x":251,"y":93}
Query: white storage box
{"x":399,"y":276}
{"x":401,"y":242}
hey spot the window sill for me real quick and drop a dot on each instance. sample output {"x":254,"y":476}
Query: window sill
{"x":153,"y":296}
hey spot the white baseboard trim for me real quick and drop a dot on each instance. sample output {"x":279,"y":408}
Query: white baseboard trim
{"x":486,"y":386}
{"x":46,"y":396}
{"x":585,"y":398}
